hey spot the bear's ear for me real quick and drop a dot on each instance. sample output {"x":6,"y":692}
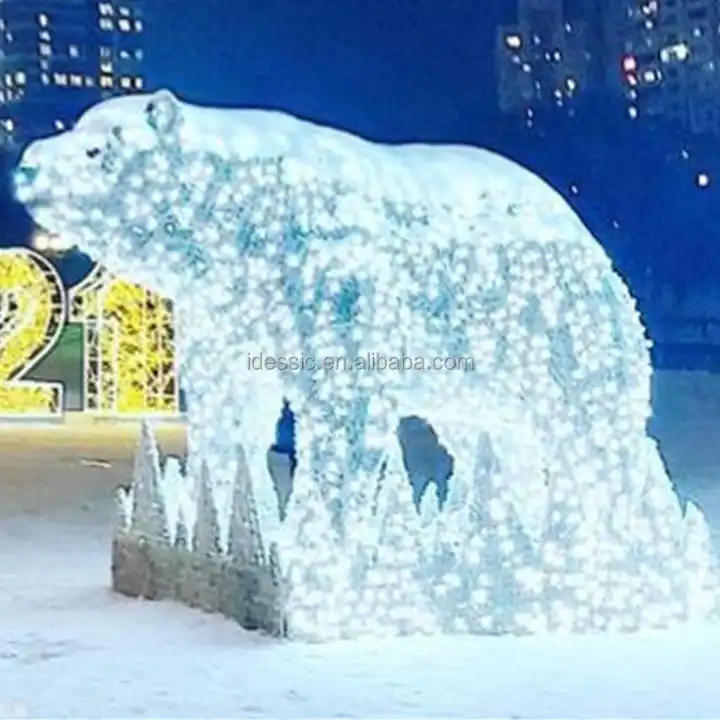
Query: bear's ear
{"x":162,"y":111}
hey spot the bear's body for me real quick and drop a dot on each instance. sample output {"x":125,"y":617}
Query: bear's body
{"x":278,"y":238}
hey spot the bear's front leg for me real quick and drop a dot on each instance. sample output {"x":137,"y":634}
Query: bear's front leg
{"x":254,"y":408}
{"x":232,"y":409}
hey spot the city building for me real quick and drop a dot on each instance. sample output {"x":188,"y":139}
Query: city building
{"x":543,"y":60}
{"x":58,"y":57}
{"x":666,"y":60}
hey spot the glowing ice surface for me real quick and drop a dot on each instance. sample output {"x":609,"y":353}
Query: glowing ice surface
{"x":278,"y":236}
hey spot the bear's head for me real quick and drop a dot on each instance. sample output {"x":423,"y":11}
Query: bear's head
{"x":107,"y":185}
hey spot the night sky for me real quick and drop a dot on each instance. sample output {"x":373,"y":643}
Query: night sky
{"x":388,"y":69}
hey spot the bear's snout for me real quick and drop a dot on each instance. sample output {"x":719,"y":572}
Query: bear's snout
{"x":26,"y":174}
{"x":23,"y":180}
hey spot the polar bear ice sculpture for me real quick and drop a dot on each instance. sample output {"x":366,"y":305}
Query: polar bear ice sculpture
{"x":274,"y":235}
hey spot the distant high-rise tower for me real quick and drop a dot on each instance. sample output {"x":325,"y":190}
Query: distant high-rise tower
{"x":543,"y":60}
{"x":58,"y":57}
{"x":667,"y":59}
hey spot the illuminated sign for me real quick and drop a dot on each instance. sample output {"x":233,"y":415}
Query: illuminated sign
{"x":32,"y":315}
{"x":129,"y":366}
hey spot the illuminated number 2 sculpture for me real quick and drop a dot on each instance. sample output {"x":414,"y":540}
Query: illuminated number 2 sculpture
{"x":130,"y":367}
{"x":32,"y":315}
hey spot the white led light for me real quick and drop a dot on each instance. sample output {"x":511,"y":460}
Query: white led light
{"x":273,"y":235}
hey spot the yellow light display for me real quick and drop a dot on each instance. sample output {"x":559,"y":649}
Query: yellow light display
{"x":32,"y":315}
{"x":129,"y":348}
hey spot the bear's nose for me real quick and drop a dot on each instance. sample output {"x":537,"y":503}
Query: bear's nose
{"x":26,"y":173}
{"x":23,"y":178}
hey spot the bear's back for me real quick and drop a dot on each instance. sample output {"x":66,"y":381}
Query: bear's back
{"x":448,"y":175}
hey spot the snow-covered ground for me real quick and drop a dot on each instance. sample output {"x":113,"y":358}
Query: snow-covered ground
{"x":69,"y":648}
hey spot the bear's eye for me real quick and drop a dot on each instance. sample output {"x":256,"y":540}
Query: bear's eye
{"x":93,"y":153}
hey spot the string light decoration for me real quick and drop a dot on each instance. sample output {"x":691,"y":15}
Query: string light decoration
{"x":129,"y":362}
{"x":32,"y":315}
{"x":274,"y":235}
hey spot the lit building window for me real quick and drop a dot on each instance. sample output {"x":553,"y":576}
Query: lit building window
{"x":139,"y":54}
{"x":106,"y":67}
{"x":9,"y":124}
{"x":702,"y":179}
{"x":74,"y":51}
{"x":106,"y":8}
{"x":44,"y":35}
{"x":571,"y":84}
{"x":629,"y":63}
{"x":138,"y":25}
{"x":60,"y":79}
{"x":106,"y":81}
{"x":139,"y":83}
{"x":651,"y":76}
{"x":76,"y":80}
{"x":59,"y":125}
{"x":125,"y":83}
{"x":43,"y":20}
{"x":633,"y":112}
{"x":124,"y":25}
{"x":679,"y":52}
{"x":20,"y":78}
{"x":9,"y":80}
{"x":45,"y":50}
{"x":514,"y":42}
{"x":124,"y":11}
{"x":649,"y":8}
{"x":105,"y":52}
{"x":106,"y":24}
{"x":45,"y":79}
{"x":89,"y":82}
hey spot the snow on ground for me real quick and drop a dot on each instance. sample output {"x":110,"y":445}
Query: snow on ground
{"x":69,"y":648}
